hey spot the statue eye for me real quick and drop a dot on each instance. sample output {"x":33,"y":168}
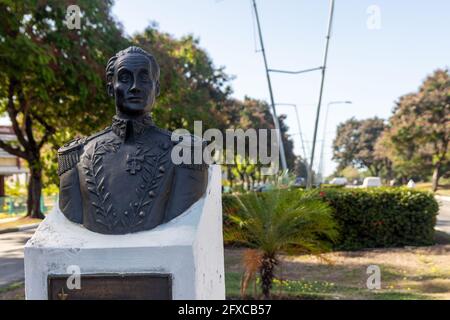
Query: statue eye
{"x":144,"y":76}
{"x":124,"y":77}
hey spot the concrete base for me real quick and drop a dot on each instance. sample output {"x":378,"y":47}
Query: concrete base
{"x":190,"y":248}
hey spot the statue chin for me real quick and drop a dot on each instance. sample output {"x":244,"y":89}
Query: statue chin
{"x":133,"y":109}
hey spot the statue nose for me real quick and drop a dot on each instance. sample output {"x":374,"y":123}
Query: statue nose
{"x":135,"y":88}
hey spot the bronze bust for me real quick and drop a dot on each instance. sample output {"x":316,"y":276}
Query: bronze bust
{"x":122,"y":179}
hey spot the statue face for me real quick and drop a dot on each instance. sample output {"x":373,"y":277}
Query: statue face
{"x":134,"y":88}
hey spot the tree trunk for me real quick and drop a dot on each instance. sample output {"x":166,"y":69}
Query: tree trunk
{"x":247,"y":182}
{"x":35,"y":191}
{"x":267,"y":272}
{"x":436,"y":176}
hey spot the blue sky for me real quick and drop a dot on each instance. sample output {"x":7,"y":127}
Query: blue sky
{"x":370,"y":67}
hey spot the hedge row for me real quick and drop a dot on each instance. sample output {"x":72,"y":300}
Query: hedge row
{"x":376,"y":217}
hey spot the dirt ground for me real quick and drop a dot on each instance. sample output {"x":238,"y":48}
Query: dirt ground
{"x":15,"y":222}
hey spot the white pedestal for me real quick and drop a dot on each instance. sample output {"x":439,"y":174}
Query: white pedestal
{"x":189,"y":247}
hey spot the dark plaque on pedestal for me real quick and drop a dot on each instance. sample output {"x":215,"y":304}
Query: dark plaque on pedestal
{"x":112,"y":287}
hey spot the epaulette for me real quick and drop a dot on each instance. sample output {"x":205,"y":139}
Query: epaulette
{"x":69,"y":155}
{"x":95,"y":135}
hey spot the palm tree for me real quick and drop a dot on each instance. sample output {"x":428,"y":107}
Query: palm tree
{"x":281,"y":220}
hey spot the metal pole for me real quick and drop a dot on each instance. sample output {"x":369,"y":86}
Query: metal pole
{"x":305,"y":157}
{"x":298,"y":124}
{"x":325,"y":56}
{"x":323,"y":142}
{"x":275,"y":118}
{"x":301,"y":136}
{"x":324,"y":133}
{"x":296,"y":72}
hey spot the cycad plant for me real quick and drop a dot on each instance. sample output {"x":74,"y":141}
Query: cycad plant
{"x":281,"y":220}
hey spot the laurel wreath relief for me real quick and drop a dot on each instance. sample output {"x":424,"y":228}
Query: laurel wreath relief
{"x":93,"y":166}
{"x":153,"y":169}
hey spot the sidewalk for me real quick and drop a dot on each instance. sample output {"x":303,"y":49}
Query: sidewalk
{"x":442,"y":198}
{"x":14,"y":224}
{"x":443,"y":219}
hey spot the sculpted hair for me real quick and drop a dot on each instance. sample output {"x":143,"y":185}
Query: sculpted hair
{"x":110,"y":67}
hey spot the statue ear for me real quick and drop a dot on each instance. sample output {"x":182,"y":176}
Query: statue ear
{"x":157,"y":88}
{"x":110,"y":89}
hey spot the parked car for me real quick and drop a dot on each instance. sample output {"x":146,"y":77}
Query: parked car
{"x":371,"y":182}
{"x":339,"y":181}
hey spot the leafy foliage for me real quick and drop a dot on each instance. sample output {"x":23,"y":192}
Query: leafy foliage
{"x":418,"y":135}
{"x":382,"y":217}
{"x":355,"y":143}
{"x":365,"y":218}
{"x":51,"y":77}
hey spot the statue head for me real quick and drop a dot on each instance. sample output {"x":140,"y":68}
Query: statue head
{"x":132,"y":77}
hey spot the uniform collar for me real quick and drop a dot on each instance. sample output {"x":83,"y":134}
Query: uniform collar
{"x":125,"y":128}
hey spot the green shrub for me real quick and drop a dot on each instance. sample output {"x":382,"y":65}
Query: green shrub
{"x":383,"y":217}
{"x":329,"y":185}
{"x":374,"y":217}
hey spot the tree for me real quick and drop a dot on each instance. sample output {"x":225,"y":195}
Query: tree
{"x":403,"y":160}
{"x":350,"y":173}
{"x":420,"y":127}
{"x":288,"y":143}
{"x":301,"y":168}
{"x":52,"y":78}
{"x":354,"y":144}
{"x":281,"y":221}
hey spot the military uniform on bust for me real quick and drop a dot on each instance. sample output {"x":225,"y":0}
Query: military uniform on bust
{"x":122,"y":179}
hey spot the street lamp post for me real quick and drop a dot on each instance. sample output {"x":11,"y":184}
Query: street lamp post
{"x":298,"y":125}
{"x":321,"y":169}
{"x":305,"y":157}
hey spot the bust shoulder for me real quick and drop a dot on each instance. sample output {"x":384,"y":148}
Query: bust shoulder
{"x":69,"y":154}
{"x":97,"y":136}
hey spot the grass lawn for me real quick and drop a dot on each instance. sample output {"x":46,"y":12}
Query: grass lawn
{"x":406,"y":273}
{"x":443,"y":190}
{"x":13,"y":291}
{"x":18,"y":222}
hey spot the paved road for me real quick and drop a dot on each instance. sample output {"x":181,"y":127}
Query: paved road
{"x":11,"y":247}
{"x":11,"y":255}
{"x":443,"y":222}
